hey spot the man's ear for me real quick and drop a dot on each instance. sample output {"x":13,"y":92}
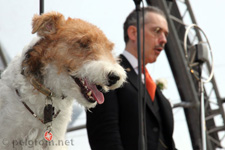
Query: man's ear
{"x":47,"y":24}
{"x":132,"y":33}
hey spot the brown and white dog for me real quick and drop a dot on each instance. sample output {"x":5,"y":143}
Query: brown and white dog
{"x":70,"y":59}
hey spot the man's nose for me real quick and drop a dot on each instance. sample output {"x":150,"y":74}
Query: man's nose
{"x":163,"y":39}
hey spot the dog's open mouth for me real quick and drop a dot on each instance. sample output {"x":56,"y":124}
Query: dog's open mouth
{"x":89,"y":90}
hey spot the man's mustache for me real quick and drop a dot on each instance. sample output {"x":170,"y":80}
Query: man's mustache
{"x":159,"y":46}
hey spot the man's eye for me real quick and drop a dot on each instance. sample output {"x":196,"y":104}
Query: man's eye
{"x":158,"y":30}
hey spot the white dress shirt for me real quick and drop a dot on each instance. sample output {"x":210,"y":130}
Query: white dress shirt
{"x":133,"y":61}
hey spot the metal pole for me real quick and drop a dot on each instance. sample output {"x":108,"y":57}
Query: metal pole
{"x":203,"y":125}
{"x":2,"y":56}
{"x":141,"y":102}
{"x":41,"y":7}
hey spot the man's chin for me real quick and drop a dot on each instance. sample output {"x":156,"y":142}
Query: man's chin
{"x":152,"y":60}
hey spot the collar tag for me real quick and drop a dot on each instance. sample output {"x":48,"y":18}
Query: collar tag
{"x":48,"y":135}
{"x":48,"y":113}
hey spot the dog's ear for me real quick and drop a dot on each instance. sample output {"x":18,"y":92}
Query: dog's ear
{"x":47,"y":24}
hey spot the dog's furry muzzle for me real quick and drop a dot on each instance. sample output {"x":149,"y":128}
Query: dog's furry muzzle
{"x":96,"y":77}
{"x":89,"y":91}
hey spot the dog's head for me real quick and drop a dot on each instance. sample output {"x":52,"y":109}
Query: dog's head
{"x":73,"y":58}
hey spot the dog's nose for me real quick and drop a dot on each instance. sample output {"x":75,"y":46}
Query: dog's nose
{"x":112,"y":78}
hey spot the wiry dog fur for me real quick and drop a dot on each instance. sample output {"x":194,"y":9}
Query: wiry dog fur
{"x":64,"y":51}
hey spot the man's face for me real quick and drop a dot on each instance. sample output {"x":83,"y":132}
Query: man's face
{"x":156,"y":31}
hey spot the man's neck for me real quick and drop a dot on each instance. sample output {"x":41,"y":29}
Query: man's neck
{"x":131,"y":49}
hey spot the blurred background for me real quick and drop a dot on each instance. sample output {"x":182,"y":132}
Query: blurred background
{"x":182,"y":90}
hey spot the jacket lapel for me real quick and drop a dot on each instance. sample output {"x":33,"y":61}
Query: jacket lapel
{"x":149,"y":104}
{"x":166,"y":111}
{"x":162,"y":101}
{"x":133,"y":79}
{"x":131,"y":74}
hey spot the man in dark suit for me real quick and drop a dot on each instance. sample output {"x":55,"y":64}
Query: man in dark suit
{"x":114,"y":125}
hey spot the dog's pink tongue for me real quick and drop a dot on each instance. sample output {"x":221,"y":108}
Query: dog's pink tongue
{"x":98,"y":96}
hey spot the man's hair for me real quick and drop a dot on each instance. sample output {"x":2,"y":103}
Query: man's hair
{"x":132,"y":19}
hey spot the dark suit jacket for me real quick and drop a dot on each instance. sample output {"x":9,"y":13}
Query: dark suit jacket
{"x":114,"y":124}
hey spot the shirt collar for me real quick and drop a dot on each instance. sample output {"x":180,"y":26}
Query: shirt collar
{"x":132,"y":60}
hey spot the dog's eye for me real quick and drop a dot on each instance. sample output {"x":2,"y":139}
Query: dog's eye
{"x":84,"y":44}
{"x":68,"y":70}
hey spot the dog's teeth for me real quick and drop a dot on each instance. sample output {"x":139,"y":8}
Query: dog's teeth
{"x":89,"y":93}
{"x":82,"y":81}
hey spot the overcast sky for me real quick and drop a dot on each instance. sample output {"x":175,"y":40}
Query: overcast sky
{"x":15,"y":32}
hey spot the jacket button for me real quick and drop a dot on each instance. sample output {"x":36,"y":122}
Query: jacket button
{"x":155,"y":129}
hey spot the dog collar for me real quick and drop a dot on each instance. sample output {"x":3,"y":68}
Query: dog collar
{"x":32,"y":112}
{"x":42,"y":89}
{"x":37,"y":85}
{"x":48,"y":116}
